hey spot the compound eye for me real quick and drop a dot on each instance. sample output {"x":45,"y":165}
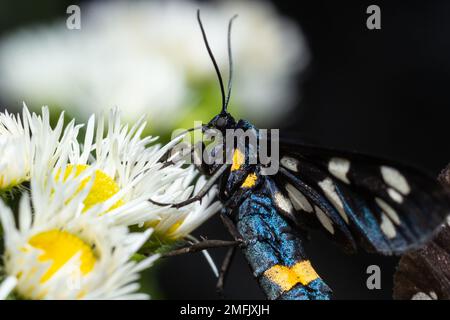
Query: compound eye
{"x":221,"y":122}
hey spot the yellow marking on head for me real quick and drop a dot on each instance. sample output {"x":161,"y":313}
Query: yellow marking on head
{"x":287,"y":277}
{"x":250,"y":181}
{"x":59,"y":247}
{"x":238,"y":160}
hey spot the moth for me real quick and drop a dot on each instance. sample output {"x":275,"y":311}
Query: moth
{"x":357,"y":200}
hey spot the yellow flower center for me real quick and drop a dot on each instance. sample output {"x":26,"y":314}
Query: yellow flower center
{"x":169,"y":234}
{"x":59,"y":247}
{"x":6,"y":183}
{"x":174,"y":228}
{"x":103,"y":188}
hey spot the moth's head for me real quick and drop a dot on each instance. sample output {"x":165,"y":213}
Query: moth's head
{"x":222,"y":121}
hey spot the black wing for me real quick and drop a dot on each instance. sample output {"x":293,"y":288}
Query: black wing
{"x":384,"y":206}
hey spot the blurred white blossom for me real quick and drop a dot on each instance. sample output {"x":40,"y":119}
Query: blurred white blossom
{"x":149,"y":58}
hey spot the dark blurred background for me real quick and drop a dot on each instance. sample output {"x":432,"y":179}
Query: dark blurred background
{"x":384,"y":92}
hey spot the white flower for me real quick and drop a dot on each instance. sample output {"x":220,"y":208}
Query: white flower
{"x":60,"y":251}
{"x":15,"y":146}
{"x":178,"y":223}
{"x":29,"y":143}
{"x":72,"y":241}
{"x":149,"y":57}
{"x":129,"y":171}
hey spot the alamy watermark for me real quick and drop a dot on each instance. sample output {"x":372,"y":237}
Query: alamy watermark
{"x":373,"y":22}
{"x":73,"y":21}
{"x":373,"y":282}
{"x":214,"y":147}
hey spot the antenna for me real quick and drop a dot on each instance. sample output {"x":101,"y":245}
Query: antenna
{"x":230,"y":63}
{"x":216,"y":67}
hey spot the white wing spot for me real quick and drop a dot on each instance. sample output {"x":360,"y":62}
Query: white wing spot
{"x":397,"y":197}
{"x":387,"y":227}
{"x":282,"y":202}
{"x":424,"y":296}
{"x":290,"y":163}
{"x":339,"y":168}
{"x":392,"y":214}
{"x":395,"y":179}
{"x":324,"y":220}
{"x":298,"y":200}
{"x":328,"y":188}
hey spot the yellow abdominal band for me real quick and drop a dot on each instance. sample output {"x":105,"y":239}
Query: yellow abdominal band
{"x":287,"y":277}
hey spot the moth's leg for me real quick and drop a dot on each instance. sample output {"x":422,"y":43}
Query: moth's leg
{"x":211,"y":244}
{"x":168,"y":158}
{"x":175,"y":155}
{"x":196,"y":152}
{"x":203,"y":191}
{"x":202,"y":245}
{"x":224,"y":270}
{"x":231,"y":227}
